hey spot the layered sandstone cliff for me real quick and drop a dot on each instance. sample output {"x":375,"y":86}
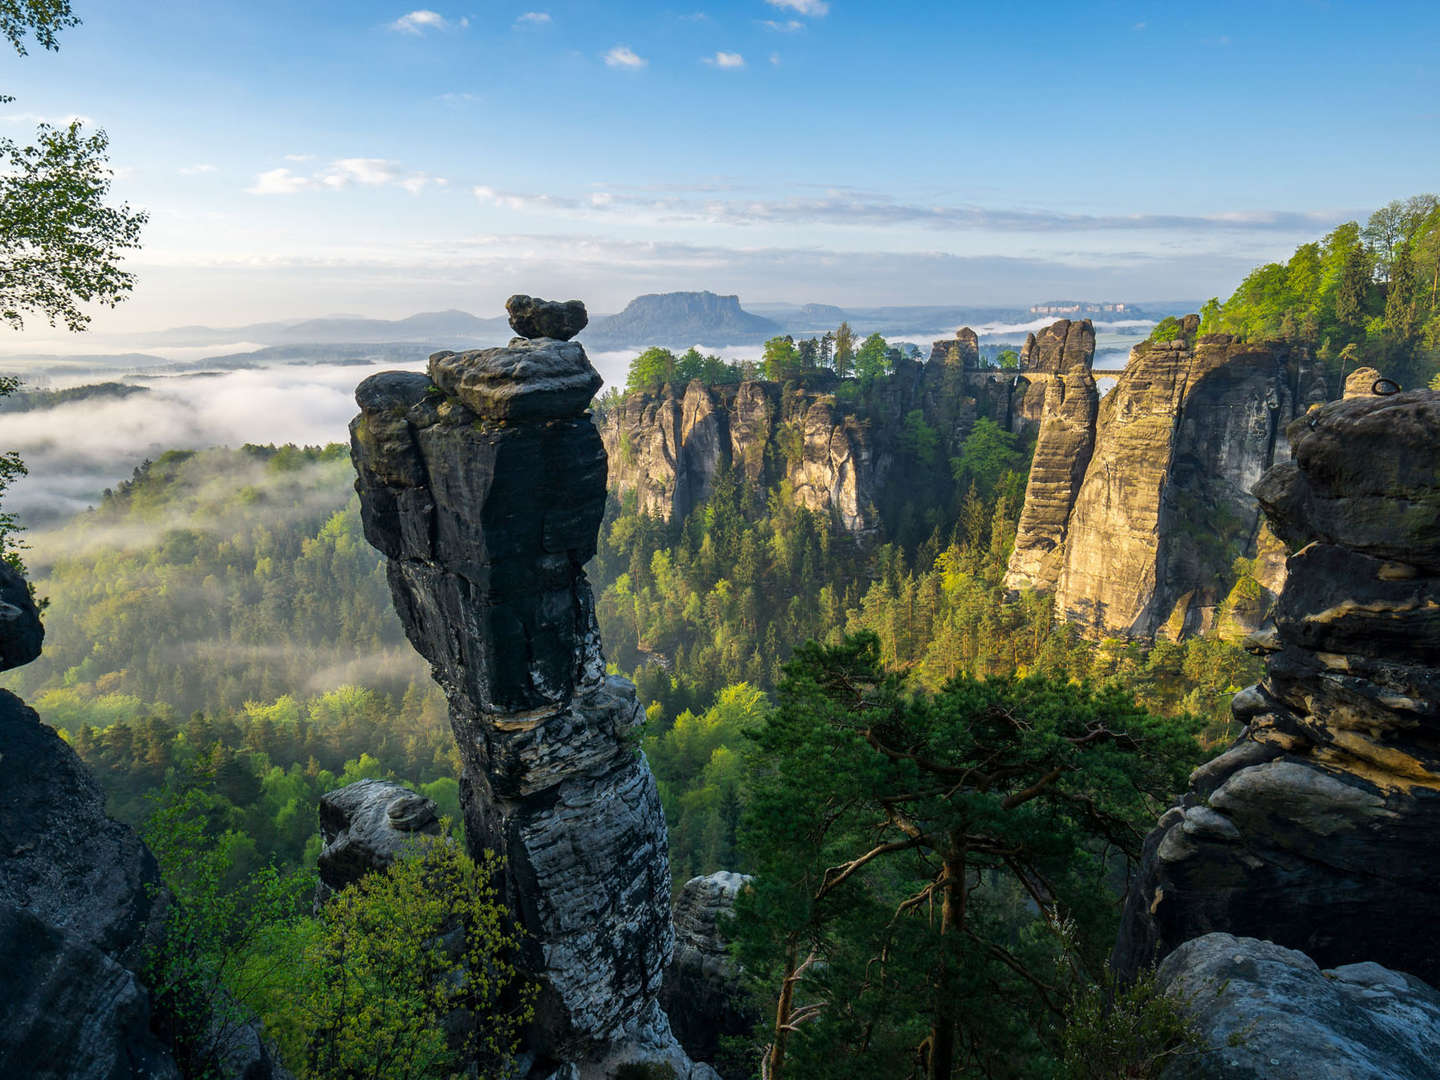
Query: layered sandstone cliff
{"x":1164,"y":508}
{"x":484,"y":485}
{"x":1316,"y":830}
{"x":1062,"y":454}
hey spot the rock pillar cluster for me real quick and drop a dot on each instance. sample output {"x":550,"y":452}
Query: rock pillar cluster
{"x":1165,"y":505}
{"x":1316,"y":830}
{"x":484,"y":483}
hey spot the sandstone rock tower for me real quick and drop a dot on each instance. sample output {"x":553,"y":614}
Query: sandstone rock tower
{"x":484,"y":485}
{"x":1316,"y":830}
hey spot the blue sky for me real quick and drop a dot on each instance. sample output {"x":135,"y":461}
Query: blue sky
{"x":379,"y":158}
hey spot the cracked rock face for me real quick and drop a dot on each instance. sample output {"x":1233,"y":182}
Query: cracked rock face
{"x":1062,"y":453}
{"x":484,"y":486}
{"x":1264,"y":1012}
{"x":1317,"y":829}
{"x":1165,"y":506}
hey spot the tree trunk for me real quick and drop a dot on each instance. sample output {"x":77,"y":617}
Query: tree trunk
{"x":952,"y":920}
{"x":775,"y":1062}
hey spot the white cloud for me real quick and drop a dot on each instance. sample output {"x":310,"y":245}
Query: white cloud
{"x":299,"y":157}
{"x":279,"y":182}
{"x":775,"y":58}
{"x":196,"y":170}
{"x":726,"y":60}
{"x":789,"y":26}
{"x":622,"y":56}
{"x":343,"y":173}
{"x":814,"y":8}
{"x":418,"y":22}
{"x":534,"y":18}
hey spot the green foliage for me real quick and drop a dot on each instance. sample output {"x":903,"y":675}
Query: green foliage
{"x":650,"y":371}
{"x":43,"y":19}
{"x":924,"y":862}
{"x":11,"y":469}
{"x":1133,"y":1031}
{"x":844,"y":350}
{"x":873,"y":360}
{"x":1167,"y":329}
{"x":919,"y":439}
{"x":402,"y":960}
{"x":1375,"y":289}
{"x":204,"y":988}
{"x":988,"y":455}
{"x":781,"y":359}
{"x":1008,"y":360}
{"x":64,"y":177}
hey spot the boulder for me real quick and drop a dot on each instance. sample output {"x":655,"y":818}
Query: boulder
{"x":525,"y":380}
{"x":1361,"y":382}
{"x":1264,"y":1012}
{"x":366,"y":826}
{"x":531,"y":317}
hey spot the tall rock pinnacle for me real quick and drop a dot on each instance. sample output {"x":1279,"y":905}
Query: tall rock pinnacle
{"x":484,"y":485}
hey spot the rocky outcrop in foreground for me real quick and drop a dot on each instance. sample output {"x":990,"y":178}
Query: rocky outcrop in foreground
{"x":702,"y":993}
{"x":81,"y":908}
{"x":1317,"y":829}
{"x":1265,"y":1012}
{"x":484,"y":485}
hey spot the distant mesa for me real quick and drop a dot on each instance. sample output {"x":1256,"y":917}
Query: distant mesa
{"x":682,"y":319}
{"x":531,"y":317}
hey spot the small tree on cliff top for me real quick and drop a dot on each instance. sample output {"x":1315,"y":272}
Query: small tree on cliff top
{"x":918,"y":857}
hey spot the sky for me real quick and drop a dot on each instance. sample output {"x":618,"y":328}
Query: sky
{"x":380,"y":159}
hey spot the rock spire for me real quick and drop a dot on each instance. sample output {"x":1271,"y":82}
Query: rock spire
{"x":484,"y":485}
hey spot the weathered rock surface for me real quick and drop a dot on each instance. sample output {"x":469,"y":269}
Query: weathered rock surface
{"x":78,"y":907}
{"x":1316,"y":830}
{"x":1269,"y":1013}
{"x":1062,"y":454}
{"x":702,"y":993}
{"x":963,"y":350}
{"x":524,"y":380}
{"x":487,"y":528}
{"x":1165,"y":506}
{"x":531,"y":317}
{"x":1059,"y":347}
{"x":21,"y":634}
{"x":366,"y":826}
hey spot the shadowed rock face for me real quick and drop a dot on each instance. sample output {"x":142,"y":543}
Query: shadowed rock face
{"x":21,"y":634}
{"x":487,"y":526}
{"x":1317,"y":829}
{"x":1265,"y":1012}
{"x":531,"y":317}
{"x":703,"y":995}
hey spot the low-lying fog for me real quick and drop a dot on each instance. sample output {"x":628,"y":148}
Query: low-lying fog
{"x":77,"y":449}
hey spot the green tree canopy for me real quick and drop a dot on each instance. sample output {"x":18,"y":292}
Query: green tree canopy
{"x":872,"y":361}
{"x":781,"y":359}
{"x":650,"y":371}
{"x":923,"y":862}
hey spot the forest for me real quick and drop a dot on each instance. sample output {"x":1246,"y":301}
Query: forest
{"x":221,"y":651}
